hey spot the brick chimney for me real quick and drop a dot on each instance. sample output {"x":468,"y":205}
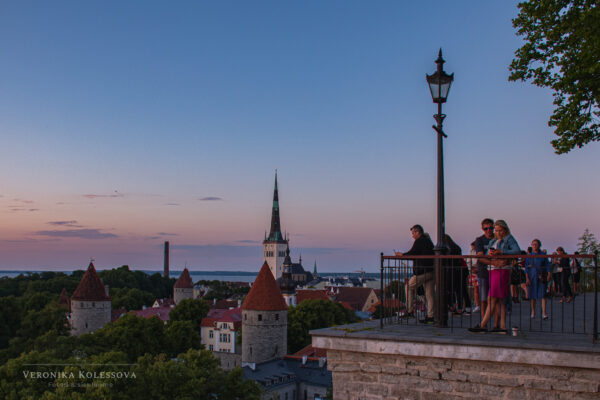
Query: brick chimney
{"x":166,"y":271}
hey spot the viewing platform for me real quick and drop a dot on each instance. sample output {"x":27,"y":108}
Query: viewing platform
{"x":401,"y":358}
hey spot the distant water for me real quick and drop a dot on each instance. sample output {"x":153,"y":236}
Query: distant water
{"x":227,"y":276}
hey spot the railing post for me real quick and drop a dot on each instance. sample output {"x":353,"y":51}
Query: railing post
{"x":381,"y":306}
{"x":441,"y":309}
{"x":595,"y":296}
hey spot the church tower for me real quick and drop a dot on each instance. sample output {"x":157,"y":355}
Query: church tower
{"x":90,"y":304}
{"x":264,"y":321}
{"x":287,"y":284}
{"x":275,"y":244}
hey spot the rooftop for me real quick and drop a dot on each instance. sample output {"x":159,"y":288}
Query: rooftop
{"x":90,"y":287}
{"x":184,"y":281}
{"x":264,"y":294}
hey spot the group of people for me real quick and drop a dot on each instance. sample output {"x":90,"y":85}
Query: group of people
{"x":495,"y":279}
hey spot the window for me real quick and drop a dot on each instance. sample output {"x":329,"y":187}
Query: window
{"x":211,"y":347}
{"x":93,"y":304}
{"x":282,"y":254}
{"x":260,"y":317}
{"x":211,"y":334}
{"x":277,"y":315}
{"x":245,"y":317}
{"x":286,"y":396}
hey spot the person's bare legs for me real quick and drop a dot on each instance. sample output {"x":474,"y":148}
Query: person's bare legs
{"x":502,"y":314}
{"x":544,"y":307}
{"x":533,"y":307}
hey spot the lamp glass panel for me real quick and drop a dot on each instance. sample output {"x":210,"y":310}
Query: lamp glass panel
{"x":445,"y":88}
{"x":435,"y":90}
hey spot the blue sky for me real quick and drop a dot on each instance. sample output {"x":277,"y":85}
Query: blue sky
{"x":121,"y":117}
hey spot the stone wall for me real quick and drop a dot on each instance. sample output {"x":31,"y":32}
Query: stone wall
{"x":368,"y":376}
{"x":182,"y":294}
{"x":87,"y":316}
{"x":264,"y":335}
{"x":228,"y":360}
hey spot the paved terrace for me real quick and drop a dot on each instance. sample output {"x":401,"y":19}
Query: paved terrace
{"x":416,"y":361}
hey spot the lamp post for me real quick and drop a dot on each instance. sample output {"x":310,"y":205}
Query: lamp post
{"x":439,"y":85}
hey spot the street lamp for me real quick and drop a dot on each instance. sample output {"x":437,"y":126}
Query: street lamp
{"x":439,"y":85}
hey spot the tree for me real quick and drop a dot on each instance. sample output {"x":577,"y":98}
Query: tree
{"x":587,"y":244}
{"x":182,"y":336}
{"x":562,"y":52}
{"x":314,"y":314}
{"x":189,"y":310}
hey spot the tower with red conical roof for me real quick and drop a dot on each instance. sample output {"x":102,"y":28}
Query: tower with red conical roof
{"x":264,"y":321}
{"x":90,"y":304}
{"x":275,"y":244}
{"x":183,"y":288}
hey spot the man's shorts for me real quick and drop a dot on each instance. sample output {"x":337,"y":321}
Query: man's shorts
{"x":484,"y":288}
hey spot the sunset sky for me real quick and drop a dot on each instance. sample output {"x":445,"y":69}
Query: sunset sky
{"x":125,"y":124}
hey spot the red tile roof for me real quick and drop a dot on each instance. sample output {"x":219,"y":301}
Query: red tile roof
{"x":311,"y":294}
{"x":116,"y":314}
{"x":221,"y":315}
{"x":90,"y":287}
{"x":264,"y":294}
{"x":184,"y":281}
{"x":355,"y":297}
{"x":391,"y":303}
{"x":224,"y":304}
{"x":310,"y":352}
{"x":63,"y":300}
{"x":161,"y":312}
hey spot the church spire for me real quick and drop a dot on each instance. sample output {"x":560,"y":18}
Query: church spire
{"x":275,"y":234}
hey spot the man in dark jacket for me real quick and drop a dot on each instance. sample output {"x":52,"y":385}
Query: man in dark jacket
{"x":422,"y":272}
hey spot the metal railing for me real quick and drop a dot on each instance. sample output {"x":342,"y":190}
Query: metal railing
{"x":578,"y":315}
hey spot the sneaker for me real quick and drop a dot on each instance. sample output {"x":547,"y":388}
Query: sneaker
{"x":409,"y":315}
{"x":545,"y":317}
{"x":477,"y":329}
{"x":476,"y":309}
{"x":502,"y":331}
{"x":532,"y":315}
{"x":427,"y":320}
{"x":495,"y":330}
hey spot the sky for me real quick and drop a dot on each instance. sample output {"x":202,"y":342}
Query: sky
{"x":125,"y":124}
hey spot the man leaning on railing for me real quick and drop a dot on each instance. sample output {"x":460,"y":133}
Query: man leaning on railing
{"x":422,"y":272}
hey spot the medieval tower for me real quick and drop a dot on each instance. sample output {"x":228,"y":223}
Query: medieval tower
{"x":264,"y":321}
{"x":275,"y":244}
{"x":287,"y":284}
{"x":90,"y":304}
{"x":183,"y":288}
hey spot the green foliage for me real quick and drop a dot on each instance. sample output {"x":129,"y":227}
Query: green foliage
{"x":193,"y":375}
{"x":123,"y":277}
{"x":10,"y":319}
{"x":224,"y":290}
{"x":36,"y":323}
{"x":130,"y":334}
{"x":587,"y":244}
{"x":190,"y":310}
{"x":314,"y":314}
{"x":130,"y":299}
{"x":562,"y":52}
{"x":181,"y":336}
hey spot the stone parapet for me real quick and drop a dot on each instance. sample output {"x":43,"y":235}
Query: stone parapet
{"x":370,"y":364}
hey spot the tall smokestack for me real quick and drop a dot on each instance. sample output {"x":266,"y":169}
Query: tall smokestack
{"x":166,"y":272}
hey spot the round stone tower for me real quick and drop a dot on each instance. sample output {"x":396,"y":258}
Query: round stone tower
{"x":183,"y":288}
{"x":90,"y":304}
{"x":264,"y":321}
